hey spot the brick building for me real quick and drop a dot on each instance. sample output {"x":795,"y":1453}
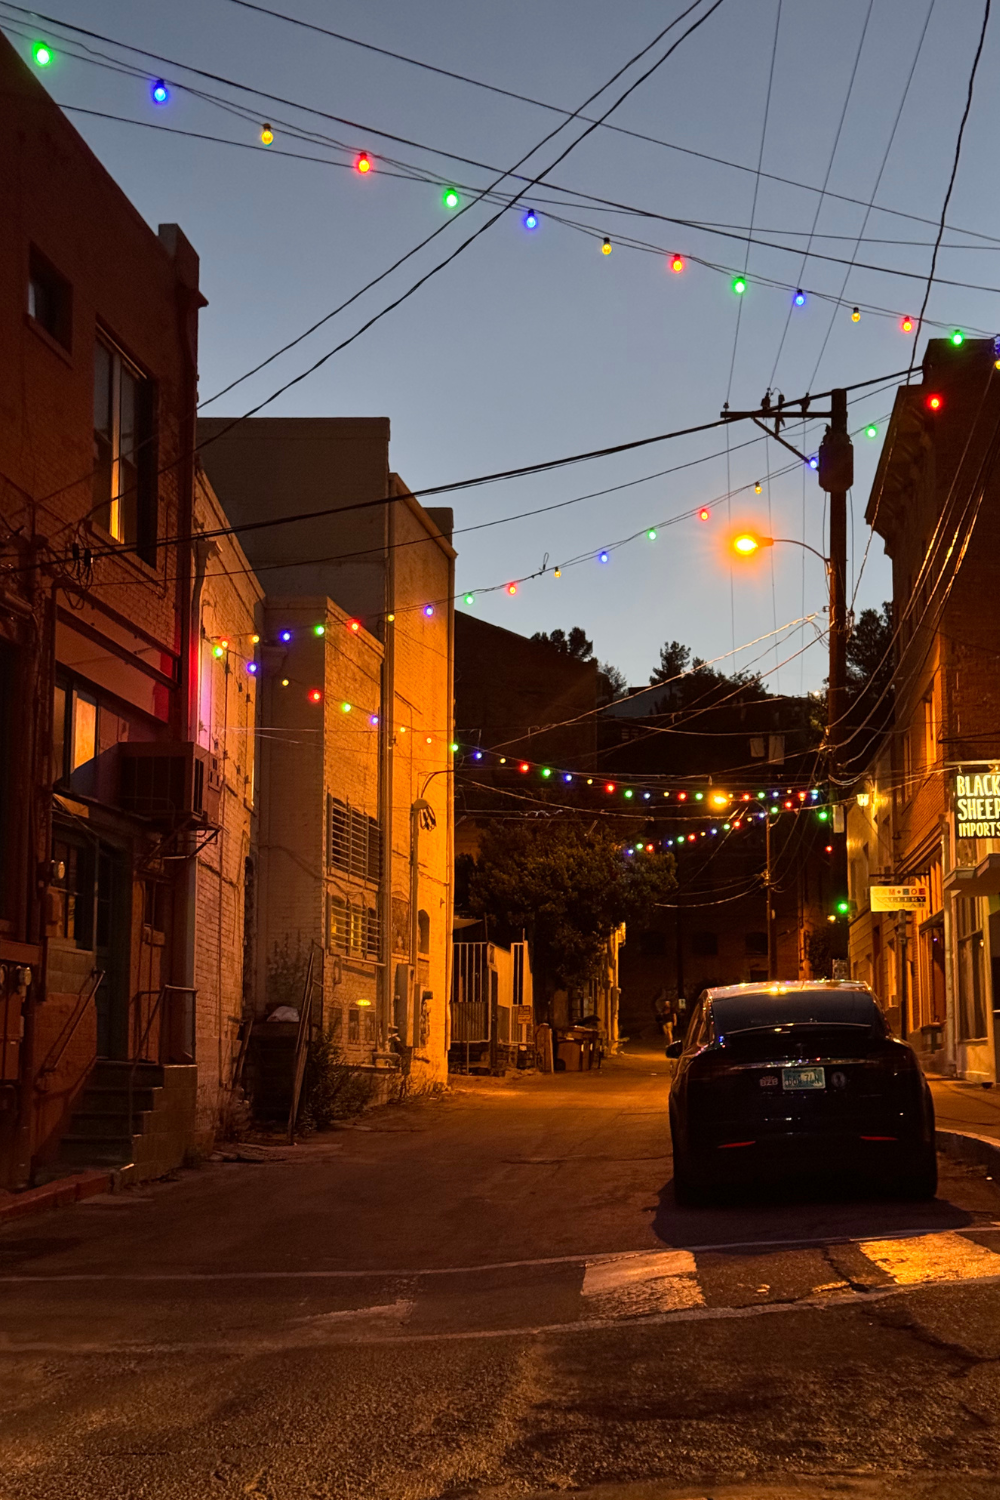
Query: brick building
{"x":936,"y":504}
{"x":104,"y":794}
{"x":227,"y":612}
{"x":356,"y":838}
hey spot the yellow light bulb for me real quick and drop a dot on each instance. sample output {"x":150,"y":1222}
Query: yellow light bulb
{"x":266,"y":135}
{"x":856,"y":315}
{"x":757,"y":488}
{"x":606,"y":247}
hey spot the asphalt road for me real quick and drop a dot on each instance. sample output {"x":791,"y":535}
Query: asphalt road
{"x":493,"y":1294}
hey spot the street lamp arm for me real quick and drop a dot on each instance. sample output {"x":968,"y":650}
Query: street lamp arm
{"x":794,"y":541}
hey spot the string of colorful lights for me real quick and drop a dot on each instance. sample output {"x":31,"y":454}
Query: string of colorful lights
{"x":363,"y":162}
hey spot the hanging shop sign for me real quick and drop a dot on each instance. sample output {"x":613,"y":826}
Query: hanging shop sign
{"x":911,"y":896}
{"x":976,"y":802}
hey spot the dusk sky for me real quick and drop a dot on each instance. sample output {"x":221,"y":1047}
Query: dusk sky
{"x":533,"y":344}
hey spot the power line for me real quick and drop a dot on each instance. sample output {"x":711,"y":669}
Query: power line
{"x":878,"y":182}
{"x":826,"y":179}
{"x":542,"y":104}
{"x":954,"y":172}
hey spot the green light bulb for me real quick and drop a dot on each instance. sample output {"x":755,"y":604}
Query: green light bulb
{"x":319,"y":630}
{"x":958,"y":337}
{"x":822,"y":815}
{"x":453,"y":748}
{"x":630,"y":793}
{"x":42,"y":53}
{"x":470,"y":599}
{"x":546,"y":771}
{"x":871,"y":430}
{"x":651,"y":534}
{"x":450,"y":198}
{"x":739,"y":285}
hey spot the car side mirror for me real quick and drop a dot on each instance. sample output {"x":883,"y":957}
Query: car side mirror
{"x":675,"y":1049}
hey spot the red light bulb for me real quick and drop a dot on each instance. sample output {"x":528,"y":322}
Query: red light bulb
{"x":704,"y":514}
{"x":315,"y":696}
{"x":512,"y":588}
{"x":934,"y":403}
{"x":610,"y":787}
{"x":524,"y":767}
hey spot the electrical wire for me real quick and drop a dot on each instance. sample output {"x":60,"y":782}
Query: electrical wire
{"x":951,"y":179}
{"x":542,"y":104}
{"x":878,"y":182}
{"x":826,"y":179}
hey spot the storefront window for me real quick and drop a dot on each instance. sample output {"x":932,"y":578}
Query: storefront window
{"x":971,"y":975}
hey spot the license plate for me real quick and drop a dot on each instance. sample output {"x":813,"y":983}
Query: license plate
{"x":803,"y":1078}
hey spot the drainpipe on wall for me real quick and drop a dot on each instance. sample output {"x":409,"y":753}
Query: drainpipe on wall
{"x":385,"y":976}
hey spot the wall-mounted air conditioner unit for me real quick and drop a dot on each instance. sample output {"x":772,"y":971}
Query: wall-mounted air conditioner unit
{"x":167,"y":781}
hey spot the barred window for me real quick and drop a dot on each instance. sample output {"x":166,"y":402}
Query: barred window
{"x":355,"y":840}
{"x":352,"y":929}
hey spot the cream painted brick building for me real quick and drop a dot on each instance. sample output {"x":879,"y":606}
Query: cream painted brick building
{"x":355,"y":727}
{"x":227,"y":601}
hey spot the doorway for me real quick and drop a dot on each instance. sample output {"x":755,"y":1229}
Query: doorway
{"x":112,"y":949}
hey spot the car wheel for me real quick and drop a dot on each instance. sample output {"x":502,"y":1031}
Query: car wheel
{"x":919,"y":1179}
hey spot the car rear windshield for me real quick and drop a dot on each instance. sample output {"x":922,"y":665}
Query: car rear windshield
{"x":761,"y":1010}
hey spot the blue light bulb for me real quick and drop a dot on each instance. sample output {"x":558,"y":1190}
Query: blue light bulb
{"x":603,"y":557}
{"x":800,"y":298}
{"x":158,"y":91}
{"x":530,"y":220}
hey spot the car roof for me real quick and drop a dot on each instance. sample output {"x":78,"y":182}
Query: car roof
{"x":790,"y":987}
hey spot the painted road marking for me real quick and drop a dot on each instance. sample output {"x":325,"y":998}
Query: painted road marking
{"x":933,"y":1257}
{"x":413,"y":1273}
{"x":633,"y":1286}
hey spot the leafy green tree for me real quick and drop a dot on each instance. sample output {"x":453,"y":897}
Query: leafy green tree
{"x":568,"y":885}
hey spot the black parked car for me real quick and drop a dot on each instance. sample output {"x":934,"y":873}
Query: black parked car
{"x":796,"y":1079}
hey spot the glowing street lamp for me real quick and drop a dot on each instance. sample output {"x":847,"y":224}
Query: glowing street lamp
{"x":749,"y":542}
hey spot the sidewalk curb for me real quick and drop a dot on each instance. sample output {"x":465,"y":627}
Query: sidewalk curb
{"x":965,"y":1145}
{"x":57,"y":1194}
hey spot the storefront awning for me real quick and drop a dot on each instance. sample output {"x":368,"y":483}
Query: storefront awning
{"x":975,"y":880}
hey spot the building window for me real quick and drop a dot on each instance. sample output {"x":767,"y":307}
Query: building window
{"x":971,"y":974}
{"x":155,"y":894}
{"x":74,"y":731}
{"x":705,"y":944}
{"x":352,"y":929}
{"x":423,"y":932}
{"x":653,"y":944}
{"x":353,"y":1025}
{"x":50,"y":299}
{"x":124,"y":461}
{"x":70,"y":914}
{"x":756,"y":943}
{"x":355,"y":840}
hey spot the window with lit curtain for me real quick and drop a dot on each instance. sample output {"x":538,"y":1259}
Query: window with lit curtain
{"x":124,"y":499}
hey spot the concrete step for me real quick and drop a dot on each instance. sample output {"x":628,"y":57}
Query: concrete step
{"x":115,"y":1100}
{"x":76,"y":1151}
{"x":108,"y":1073}
{"x":97,"y":1124}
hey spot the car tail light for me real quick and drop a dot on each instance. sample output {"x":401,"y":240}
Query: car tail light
{"x":732,"y":1145}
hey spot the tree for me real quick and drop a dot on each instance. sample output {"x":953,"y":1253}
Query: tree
{"x":568,"y":886}
{"x":611,"y":683}
{"x":689,"y":679}
{"x":674,"y":659}
{"x":869,"y":651}
{"x":574,"y":644}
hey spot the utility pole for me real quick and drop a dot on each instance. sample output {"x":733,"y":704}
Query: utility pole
{"x":772,"y":936}
{"x":836,"y":476}
{"x":835,"y":463}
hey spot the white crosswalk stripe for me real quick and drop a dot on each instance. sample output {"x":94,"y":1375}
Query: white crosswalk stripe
{"x":932,"y":1257}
